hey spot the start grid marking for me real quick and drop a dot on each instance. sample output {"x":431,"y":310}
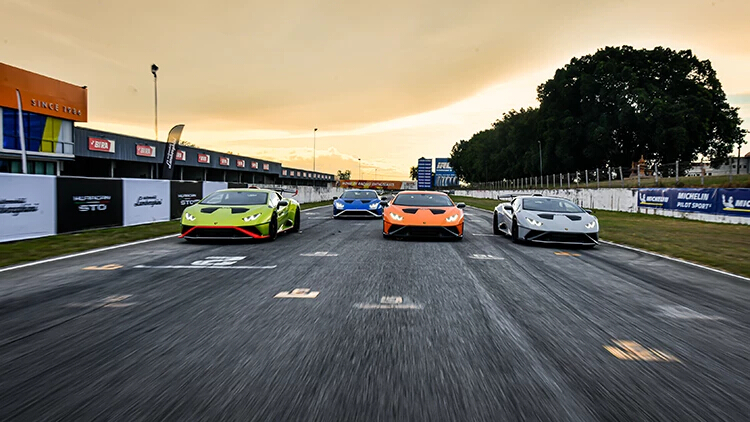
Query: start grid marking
{"x":389,"y":302}
{"x":214,"y":262}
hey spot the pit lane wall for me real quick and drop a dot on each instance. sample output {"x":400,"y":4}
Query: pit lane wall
{"x":720,"y":205}
{"x":34,"y":206}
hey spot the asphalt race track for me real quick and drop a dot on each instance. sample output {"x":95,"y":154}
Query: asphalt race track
{"x":390,"y":330}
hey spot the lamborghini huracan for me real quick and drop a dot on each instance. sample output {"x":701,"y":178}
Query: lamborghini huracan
{"x":542,"y":219}
{"x":241,"y":214}
{"x":423,"y":214}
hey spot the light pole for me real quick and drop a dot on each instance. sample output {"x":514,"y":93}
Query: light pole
{"x":359,"y":160}
{"x":154,"y":68}
{"x":540,"y":158}
{"x":314,"y":132}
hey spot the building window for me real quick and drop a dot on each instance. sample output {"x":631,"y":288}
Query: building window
{"x":32,"y":167}
{"x":42,"y":133}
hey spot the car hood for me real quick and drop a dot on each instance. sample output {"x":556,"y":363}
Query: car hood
{"x":356,"y":204}
{"x":557,"y":221}
{"x":230,"y":215}
{"x":432,"y":216}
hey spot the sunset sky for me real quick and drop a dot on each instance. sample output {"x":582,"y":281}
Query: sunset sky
{"x":386,"y":81}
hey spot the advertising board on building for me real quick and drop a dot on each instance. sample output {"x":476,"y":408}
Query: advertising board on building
{"x":145,"y":201}
{"x":204,"y":158}
{"x":266,"y":166}
{"x":84,"y":203}
{"x":145,"y":151}
{"x":223,"y":161}
{"x":424,"y":174}
{"x":27,"y":206}
{"x":101,"y":145}
{"x":240,"y":163}
{"x":183,"y":195}
{"x":180,"y":155}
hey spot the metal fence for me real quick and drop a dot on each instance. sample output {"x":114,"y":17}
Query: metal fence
{"x":640,"y":175}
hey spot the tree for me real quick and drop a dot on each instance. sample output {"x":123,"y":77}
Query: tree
{"x":619,"y":104}
{"x":344,"y":175}
{"x":187,"y":144}
{"x":413,"y":173}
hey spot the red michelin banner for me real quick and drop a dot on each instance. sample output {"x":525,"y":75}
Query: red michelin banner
{"x":370,"y":184}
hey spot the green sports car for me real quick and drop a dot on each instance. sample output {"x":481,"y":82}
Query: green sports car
{"x":241,"y":214}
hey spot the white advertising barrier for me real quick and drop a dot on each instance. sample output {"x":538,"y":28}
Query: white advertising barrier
{"x":307,"y":194}
{"x":145,"y":201}
{"x":211,"y":187}
{"x":28,"y":206}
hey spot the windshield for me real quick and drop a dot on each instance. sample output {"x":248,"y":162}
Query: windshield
{"x":359,"y":194}
{"x":423,"y":200}
{"x":550,"y":205}
{"x":236,"y":198}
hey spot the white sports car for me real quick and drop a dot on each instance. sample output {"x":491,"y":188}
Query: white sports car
{"x":546,"y":219}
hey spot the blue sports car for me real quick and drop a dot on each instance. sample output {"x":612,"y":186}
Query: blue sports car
{"x":358,"y":203}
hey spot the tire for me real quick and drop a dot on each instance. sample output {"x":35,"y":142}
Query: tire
{"x":495,"y":222}
{"x":514,"y":232}
{"x":295,"y":227}
{"x":273,"y":228}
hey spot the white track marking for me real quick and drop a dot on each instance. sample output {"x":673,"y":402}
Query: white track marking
{"x":213,"y":267}
{"x":297,"y":294}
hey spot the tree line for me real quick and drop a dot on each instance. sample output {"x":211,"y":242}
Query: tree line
{"x":609,"y":109}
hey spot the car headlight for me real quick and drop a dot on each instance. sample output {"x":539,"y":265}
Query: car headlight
{"x":452,"y":218}
{"x":374,"y":205}
{"x":251,"y":217}
{"x":591,"y":225}
{"x":338,"y":205}
{"x":534,"y":222}
{"x":189,"y":217}
{"x":396,"y":217}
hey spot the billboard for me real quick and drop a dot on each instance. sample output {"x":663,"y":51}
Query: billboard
{"x":444,"y":174}
{"x":88,"y":203}
{"x":370,"y":184}
{"x":27,"y":206}
{"x":424,"y":174}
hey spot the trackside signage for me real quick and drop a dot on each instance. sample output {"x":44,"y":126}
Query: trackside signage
{"x":146,"y":201}
{"x":734,"y":202}
{"x":145,"y":151}
{"x":204,"y":158}
{"x":183,"y":195}
{"x":84,"y":203}
{"x":27,"y":206}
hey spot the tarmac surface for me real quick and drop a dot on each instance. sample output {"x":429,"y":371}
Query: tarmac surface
{"x":389,"y":330}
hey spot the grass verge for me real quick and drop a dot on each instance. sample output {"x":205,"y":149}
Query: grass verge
{"x":63,"y":244}
{"x":721,"y":246}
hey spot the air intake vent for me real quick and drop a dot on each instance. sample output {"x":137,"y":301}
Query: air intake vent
{"x":237,"y":210}
{"x":437,"y":211}
{"x":547,"y":216}
{"x":209,"y":210}
{"x":574,"y":217}
{"x":411,"y":210}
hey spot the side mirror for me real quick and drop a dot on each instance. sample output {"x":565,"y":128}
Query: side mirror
{"x":335,"y":198}
{"x":507,"y":207}
{"x":283,"y":203}
{"x":589,"y":211}
{"x":384,"y":203}
{"x":460,"y":205}
{"x":383,"y":198}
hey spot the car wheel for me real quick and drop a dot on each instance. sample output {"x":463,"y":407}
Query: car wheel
{"x":295,"y":227}
{"x":514,"y":232}
{"x":495,"y":222}
{"x":273,"y":228}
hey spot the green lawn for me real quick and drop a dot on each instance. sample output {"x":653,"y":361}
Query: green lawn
{"x":722,"y":246}
{"x":63,"y":244}
{"x":738,"y":181}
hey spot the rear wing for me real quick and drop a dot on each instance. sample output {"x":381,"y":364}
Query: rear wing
{"x":279,"y":190}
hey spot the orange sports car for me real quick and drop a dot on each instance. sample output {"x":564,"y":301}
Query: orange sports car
{"x":423,"y":214}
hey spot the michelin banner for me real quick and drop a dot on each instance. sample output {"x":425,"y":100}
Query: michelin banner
{"x":734,"y":202}
{"x":145,"y":201}
{"x":27,"y":206}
